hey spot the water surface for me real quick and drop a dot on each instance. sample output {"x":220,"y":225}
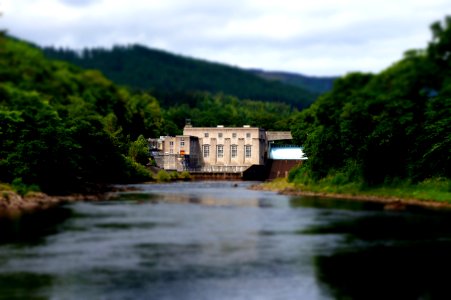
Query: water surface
{"x":218,"y":240}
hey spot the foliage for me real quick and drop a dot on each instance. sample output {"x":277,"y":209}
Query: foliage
{"x":65,"y":129}
{"x":209,"y":110}
{"x":318,"y":85}
{"x":171,"y":78}
{"x":22,"y":188}
{"x":377,"y":129}
{"x":163,"y":176}
{"x":139,"y":151}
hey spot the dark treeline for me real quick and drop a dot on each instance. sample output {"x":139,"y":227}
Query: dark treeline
{"x":317,"y":85}
{"x":381,"y":128}
{"x":171,"y":77}
{"x":66,"y":129}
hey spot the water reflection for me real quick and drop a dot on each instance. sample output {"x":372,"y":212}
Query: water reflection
{"x":212,"y":193}
{"x":32,"y":228}
{"x":385,"y":255}
{"x":24,"y":285}
{"x":212,"y":240}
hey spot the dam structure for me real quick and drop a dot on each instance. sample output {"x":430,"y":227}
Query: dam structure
{"x":225,"y":152}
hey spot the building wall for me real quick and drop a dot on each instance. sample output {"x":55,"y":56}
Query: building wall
{"x":221,"y":140}
{"x":179,"y":153}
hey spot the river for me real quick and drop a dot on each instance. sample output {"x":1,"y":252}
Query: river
{"x":219,"y":240}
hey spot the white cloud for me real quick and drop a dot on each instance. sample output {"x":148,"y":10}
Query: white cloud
{"x":321,"y":37}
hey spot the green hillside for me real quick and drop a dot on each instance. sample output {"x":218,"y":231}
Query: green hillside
{"x":64,"y":129}
{"x":386,"y":128}
{"x":314,"y":84}
{"x":170,"y":77}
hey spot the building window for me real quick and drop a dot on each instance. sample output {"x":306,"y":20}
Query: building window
{"x":206,"y":134}
{"x":234,"y":135}
{"x":234,"y":151}
{"x":171,"y":144}
{"x":220,"y":135}
{"x":248,"y":151}
{"x":248,"y":135}
{"x":206,"y":150}
{"x":171,"y":151}
{"x":220,"y":151}
{"x":182,"y":144}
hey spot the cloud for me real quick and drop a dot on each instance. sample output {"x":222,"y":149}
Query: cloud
{"x":322,"y":37}
{"x":79,"y":2}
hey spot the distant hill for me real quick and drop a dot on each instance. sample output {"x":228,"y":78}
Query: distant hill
{"x":171,"y":77}
{"x":313,"y":84}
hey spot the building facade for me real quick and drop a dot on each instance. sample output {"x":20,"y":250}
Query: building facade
{"x":229,"y":149}
{"x":176,"y":152}
{"x":221,"y":149}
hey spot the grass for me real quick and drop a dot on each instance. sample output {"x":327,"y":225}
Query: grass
{"x":435,"y":189}
{"x":164,"y":176}
{"x":5,"y":187}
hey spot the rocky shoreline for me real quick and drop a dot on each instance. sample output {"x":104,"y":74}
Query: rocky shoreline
{"x":13,"y":204}
{"x":390,"y":203}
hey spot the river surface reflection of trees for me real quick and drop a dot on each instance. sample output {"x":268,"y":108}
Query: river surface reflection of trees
{"x":384,"y":254}
{"x":219,"y":240}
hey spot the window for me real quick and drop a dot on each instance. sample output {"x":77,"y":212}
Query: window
{"x":248,"y":151}
{"x":171,"y":144}
{"x":234,"y":135}
{"x":234,"y":151}
{"x":248,"y":135}
{"x":206,"y":150}
{"x":220,"y":135}
{"x":206,"y":134}
{"x":182,"y":143}
{"x":220,"y":151}
{"x":171,"y":151}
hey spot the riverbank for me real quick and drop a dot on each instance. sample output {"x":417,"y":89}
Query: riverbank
{"x":12,"y":204}
{"x":379,"y":195}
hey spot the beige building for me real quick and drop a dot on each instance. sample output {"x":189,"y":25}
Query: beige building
{"x":229,"y":149}
{"x":215,"y":149}
{"x":176,"y":152}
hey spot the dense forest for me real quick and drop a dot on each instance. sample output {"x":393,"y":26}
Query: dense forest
{"x":66,"y":129}
{"x":63,"y":129}
{"x":384,"y":128}
{"x":171,"y":77}
{"x":318,"y":85}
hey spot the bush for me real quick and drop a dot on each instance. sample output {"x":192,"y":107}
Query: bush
{"x":22,"y":189}
{"x":135,"y":171}
{"x":163,"y":176}
{"x":185,"y":175}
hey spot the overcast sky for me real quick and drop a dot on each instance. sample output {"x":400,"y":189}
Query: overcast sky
{"x":313,"y":37}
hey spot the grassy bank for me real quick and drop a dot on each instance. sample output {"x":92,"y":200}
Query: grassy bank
{"x":437,"y":189}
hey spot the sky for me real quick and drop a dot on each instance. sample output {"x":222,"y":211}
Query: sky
{"x":311,"y":37}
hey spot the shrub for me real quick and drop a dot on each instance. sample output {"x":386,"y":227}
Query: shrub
{"x":163,"y":176}
{"x":185,"y":175}
{"x":21,"y":188}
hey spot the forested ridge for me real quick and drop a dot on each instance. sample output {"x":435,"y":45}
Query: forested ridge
{"x":171,"y":77}
{"x":317,"y":85}
{"x":66,"y":129}
{"x":385,"y":128}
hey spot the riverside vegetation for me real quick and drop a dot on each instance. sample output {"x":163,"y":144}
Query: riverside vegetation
{"x":387,"y":134}
{"x":65,"y":129}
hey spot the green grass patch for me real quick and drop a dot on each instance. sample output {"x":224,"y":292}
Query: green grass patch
{"x":164,"y":176}
{"x":433,"y":189}
{"x":5,"y":187}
